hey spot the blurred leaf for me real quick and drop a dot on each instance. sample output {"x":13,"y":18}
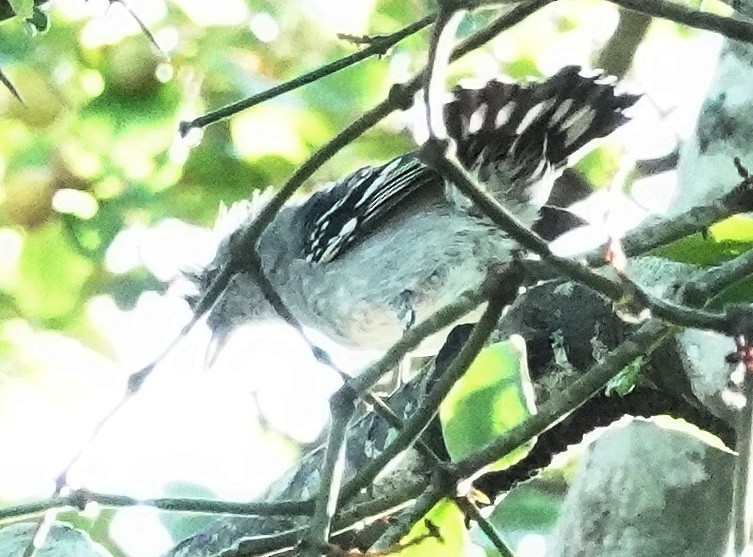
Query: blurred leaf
{"x":528,"y":508}
{"x":212,"y":175}
{"x":6,"y":11}
{"x":127,"y":289}
{"x":43,"y":102}
{"x":29,"y":11}
{"x":493,"y":396}
{"x":522,"y":67}
{"x":693,"y":249}
{"x":97,"y":526}
{"x":737,"y":228}
{"x":341,"y":95}
{"x":723,"y":241}
{"x":599,"y":166}
{"x":53,"y":274}
{"x":39,"y":21}
{"x":399,"y":9}
{"x":184,"y":525}
{"x":566,"y":23}
{"x":275,"y":129}
{"x":8,"y":310}
{"x":22,"y":8}
{"x":27,"y":197}
{"x":741,"y":291}
{"x":449,"y":521}
{"x":119,"y":112}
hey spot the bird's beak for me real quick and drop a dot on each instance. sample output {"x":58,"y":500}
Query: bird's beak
{"x":214,"y":348}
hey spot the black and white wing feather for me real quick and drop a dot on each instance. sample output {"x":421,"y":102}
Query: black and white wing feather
{"x":516,"y":138}
{"x":353,"y":207}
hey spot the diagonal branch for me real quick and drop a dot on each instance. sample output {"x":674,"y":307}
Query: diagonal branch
{"x":377,"y":47}
{"x":666,"y":231}
{"x":726,"y":26}
{"x":440,"y":48}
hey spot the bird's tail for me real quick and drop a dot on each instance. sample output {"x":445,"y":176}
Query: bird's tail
{"x":523,"y":134}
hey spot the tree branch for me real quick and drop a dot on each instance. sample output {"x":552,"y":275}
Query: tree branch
{"x":378,"y":46}
{"x":726,"y":26}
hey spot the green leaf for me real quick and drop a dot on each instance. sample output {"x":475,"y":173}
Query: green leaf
{"x":737,"y":228}
{"x":493,"y":396}
{"x":528,"y":507}
{"x":725,"y":240}
{"x":741,"y":291}
{"x":22,"y":8}
{"x":39,"y":21}
{"x":600,"y":165}
{"x":53,"y":274}
{"x":624,"y":381}
{"x":184,"y":525}
{"x":446,"y":519}
{"x":522,"y":67}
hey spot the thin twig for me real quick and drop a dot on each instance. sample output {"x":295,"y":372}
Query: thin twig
{"x":7,"y":82}
{"x":242,"y":256}
{"x":331,"y":473}
{"x":666,"y":231}
{"x":616,"y":56}
{"x":394,"y":421}
{"x":701,"y":291}
{"x":676,"y":314}
{"x":80,"y":498}
{"x":274,"y":299}
{"x":502,"y":289}
{"x":641,"y":343}
{"x":364,"y":513}
{"x":427,"y":501}
{"x":440,"y":48}
{"x":379,"y":46}
{"x":135,"y":382}
{"x":470,"y":509}
{"x":144,"y":29}
{"x":731,"y":28}
{"x":651,"y":167}
{"x":742,"y":499}
{"x":451,"y":313}
{"x":435,"y":153}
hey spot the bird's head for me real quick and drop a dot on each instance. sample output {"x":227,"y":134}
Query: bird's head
{"x":241,"y":301}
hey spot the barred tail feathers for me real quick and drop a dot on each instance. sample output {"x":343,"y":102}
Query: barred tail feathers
{"x":525,"y":131}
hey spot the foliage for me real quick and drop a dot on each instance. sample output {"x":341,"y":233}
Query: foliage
{"x":493,"y":396}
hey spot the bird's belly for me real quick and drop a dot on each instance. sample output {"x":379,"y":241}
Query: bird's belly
{"x":363,"y":304}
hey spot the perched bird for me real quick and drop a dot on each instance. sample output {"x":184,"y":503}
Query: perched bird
{"x":364,"y":257}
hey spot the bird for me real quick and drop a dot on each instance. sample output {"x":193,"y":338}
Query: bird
{"x":364,"y":257}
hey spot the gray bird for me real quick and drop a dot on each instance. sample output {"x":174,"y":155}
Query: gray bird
{"x":364,"y":257}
